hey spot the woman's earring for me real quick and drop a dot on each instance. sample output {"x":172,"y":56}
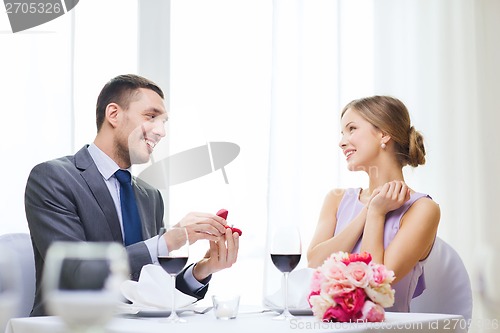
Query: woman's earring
{"x":383,"y":145}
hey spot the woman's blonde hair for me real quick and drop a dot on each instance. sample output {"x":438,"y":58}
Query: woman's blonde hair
{"x":391,"y":116}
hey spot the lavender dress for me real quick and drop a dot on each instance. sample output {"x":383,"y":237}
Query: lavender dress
{"x":413,"y":283}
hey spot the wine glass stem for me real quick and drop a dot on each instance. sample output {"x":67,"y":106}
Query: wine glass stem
{"x":173,"y":314}
{"x":286,"y":293}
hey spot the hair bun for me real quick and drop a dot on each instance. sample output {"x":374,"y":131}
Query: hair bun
{"x":416,"y":149}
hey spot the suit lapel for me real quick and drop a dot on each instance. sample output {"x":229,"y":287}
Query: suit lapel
{"x":97,"y":186}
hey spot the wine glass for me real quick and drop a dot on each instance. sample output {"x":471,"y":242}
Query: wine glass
{"x":81,"y":283}
{"x":173,"y":259}
{"x":286,"y":250}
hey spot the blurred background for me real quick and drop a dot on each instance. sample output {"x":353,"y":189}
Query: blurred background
{"x":272,"y":77}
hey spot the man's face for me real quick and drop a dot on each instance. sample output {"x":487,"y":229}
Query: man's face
{"x":142,"y":127}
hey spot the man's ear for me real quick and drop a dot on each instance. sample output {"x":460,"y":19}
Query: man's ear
{"x":112,"y":114}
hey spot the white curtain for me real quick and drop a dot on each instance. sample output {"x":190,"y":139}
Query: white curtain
{"x":439,"y":57}
{"x":443,"y":61}
{"x":303,"y":118}
{"x":219,"y":91}
{"x":36,"y":108}
{"x":50,"y":78}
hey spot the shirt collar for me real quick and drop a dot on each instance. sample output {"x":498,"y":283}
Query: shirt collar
{"x":105,"y":164}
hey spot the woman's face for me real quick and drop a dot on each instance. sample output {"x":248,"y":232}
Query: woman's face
{"x":360,"y":141}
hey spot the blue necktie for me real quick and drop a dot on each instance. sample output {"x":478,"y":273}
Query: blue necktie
{"x":130,"y":214}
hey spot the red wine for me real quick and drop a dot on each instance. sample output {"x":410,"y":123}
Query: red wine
{"x":173,"y":265}
{"x":285,"y":262}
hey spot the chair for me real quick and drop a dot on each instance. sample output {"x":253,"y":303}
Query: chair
{"x":448,"y":287}
{"x":20,"y":244}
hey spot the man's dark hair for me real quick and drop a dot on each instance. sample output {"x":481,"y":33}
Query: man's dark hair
{"x":121,"y":90}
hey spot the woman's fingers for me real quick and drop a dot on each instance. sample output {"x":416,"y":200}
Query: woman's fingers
{"x":390,"y":196}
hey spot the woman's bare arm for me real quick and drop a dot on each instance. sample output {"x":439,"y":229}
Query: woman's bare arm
{"x":418,"y":228}
{"x":323,"y":243}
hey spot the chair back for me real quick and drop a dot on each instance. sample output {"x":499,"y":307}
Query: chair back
{"x":448,"y":287}
{"x":20,"y":244}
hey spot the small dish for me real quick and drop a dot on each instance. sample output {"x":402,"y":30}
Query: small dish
{"x":166,"y":313}
{"x":296,"y":311}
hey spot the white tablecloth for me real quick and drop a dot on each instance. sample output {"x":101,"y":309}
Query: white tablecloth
{"x":254,"y":322}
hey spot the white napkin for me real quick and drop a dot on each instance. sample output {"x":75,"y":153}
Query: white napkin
{"x":299,"y":287}
{"x":153,"y":291}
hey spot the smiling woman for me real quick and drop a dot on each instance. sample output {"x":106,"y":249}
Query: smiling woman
{"x":387,"y":216}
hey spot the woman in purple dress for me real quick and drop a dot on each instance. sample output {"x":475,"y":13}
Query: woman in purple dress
{"x":388,"y":219}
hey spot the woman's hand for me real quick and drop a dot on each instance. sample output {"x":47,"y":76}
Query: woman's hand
{"x":388,"y":197}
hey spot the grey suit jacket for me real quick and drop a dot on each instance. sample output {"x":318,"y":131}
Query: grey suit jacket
{"x":66,"y":199}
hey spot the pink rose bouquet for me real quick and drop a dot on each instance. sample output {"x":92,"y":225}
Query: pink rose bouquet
{"x":350,"y":287}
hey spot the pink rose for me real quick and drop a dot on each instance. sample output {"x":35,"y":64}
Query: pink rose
{"x":334,"y":270}
{"x":372,"y":312}
{"x":317,"y":280}
{"x":334,"y":288}
{"x":383,"y":295}
{"x":320,"y":303}
{"x":380,"y":275}
{"x":359,"y":274}
{"x":358,"y":257}
{"x":313,"y":293}
{"x":335,"y":313}
{"x":352,"y":303}
{"x":339,"y":256}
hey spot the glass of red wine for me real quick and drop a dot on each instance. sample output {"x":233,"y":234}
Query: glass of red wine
{"x":286,"y":250}
{"x":172,"y":258}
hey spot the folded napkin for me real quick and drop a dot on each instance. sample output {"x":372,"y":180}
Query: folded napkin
{"x":299,"y":287}
{"x":153,"y":291}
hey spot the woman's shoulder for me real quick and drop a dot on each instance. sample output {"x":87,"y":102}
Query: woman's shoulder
{"x":335,"y":192}
{"x":333,"y":197}
{"x":424,"y":201}
{"x":424,"y":205}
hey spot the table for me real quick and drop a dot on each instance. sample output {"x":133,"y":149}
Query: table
{"x":254,"y":322}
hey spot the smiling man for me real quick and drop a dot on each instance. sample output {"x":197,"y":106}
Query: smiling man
{"x":77,"y":197}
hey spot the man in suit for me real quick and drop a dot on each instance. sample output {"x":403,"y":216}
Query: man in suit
{"x":77,"y":198}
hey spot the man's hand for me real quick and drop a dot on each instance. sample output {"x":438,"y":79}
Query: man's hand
{"x":221,"y":255}
{"x":203,"y":226}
